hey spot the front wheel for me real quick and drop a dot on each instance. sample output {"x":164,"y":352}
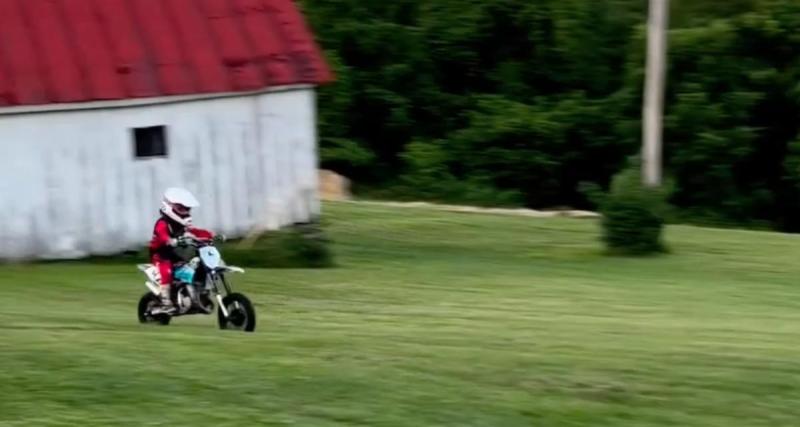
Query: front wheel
{"x":146,"y":305}
{"x":241,"y":314}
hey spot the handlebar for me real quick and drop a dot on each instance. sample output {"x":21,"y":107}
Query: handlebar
{"x":189,"y":240}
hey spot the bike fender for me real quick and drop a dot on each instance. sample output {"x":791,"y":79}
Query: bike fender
{"x":234,"y":269}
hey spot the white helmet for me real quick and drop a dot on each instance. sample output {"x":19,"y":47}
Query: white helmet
{"x":178,"y":204}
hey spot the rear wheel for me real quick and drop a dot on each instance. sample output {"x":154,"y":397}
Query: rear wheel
{"x":146,"y":305}
{"x":241,"y":314}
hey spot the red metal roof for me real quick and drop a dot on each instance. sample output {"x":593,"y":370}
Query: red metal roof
{"x":60,"y":51}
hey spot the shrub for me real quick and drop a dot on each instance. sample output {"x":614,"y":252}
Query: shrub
{"x":300,"y":246}
{"x":633,"y":215}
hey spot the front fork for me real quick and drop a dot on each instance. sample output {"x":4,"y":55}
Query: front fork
{"x":215,"y":278}
{"x":222,"y":306}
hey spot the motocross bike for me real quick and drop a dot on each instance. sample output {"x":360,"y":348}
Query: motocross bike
{"x":197,"y":285}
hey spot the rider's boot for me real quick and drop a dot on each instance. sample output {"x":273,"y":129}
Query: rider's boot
{"x":166,"y":301}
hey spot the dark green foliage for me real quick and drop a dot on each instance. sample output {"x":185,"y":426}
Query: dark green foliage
{"x":301,"y":246}
{"x":430,"y":177}
{"x":732,"y":117}
{"x":633,"y":216}
{"x":514,"y":94}
{"x":521,"y":101}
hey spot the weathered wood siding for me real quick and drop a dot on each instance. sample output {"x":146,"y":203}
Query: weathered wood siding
{"x":70,"y":185}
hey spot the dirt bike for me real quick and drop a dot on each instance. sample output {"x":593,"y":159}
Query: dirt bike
{"x":197,"y":285}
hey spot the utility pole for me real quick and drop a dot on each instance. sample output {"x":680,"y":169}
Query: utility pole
{"x":653,"y":109}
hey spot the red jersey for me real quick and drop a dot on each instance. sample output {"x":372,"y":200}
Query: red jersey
{"x":164,"y":231}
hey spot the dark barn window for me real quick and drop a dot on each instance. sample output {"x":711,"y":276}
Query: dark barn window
{"x":150,"y":142}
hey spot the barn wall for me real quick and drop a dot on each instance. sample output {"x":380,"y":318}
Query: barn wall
{"x":70,"y":186}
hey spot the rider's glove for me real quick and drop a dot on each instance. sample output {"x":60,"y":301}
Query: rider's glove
{"x":180,"y":241}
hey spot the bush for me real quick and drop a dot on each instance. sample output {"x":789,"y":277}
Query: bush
{"x":300,"y":246}
{"x":633,"y":216}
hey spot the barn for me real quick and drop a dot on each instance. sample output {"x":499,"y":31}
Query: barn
{"x":105,"y":103}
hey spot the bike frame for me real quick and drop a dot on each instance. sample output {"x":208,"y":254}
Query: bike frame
{"x":210,"y":265}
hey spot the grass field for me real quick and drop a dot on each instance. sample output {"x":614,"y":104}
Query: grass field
{"x":431,"y":319}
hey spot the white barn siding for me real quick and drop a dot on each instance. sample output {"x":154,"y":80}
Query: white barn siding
{"x":70,"y":186}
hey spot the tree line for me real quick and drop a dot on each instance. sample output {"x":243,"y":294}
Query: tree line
{"x":529,"y":102}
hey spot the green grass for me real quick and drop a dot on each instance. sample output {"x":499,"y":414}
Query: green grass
{"x":431,"y":319}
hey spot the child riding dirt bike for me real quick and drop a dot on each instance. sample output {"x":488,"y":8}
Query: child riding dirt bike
{"x":171,"y":230}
